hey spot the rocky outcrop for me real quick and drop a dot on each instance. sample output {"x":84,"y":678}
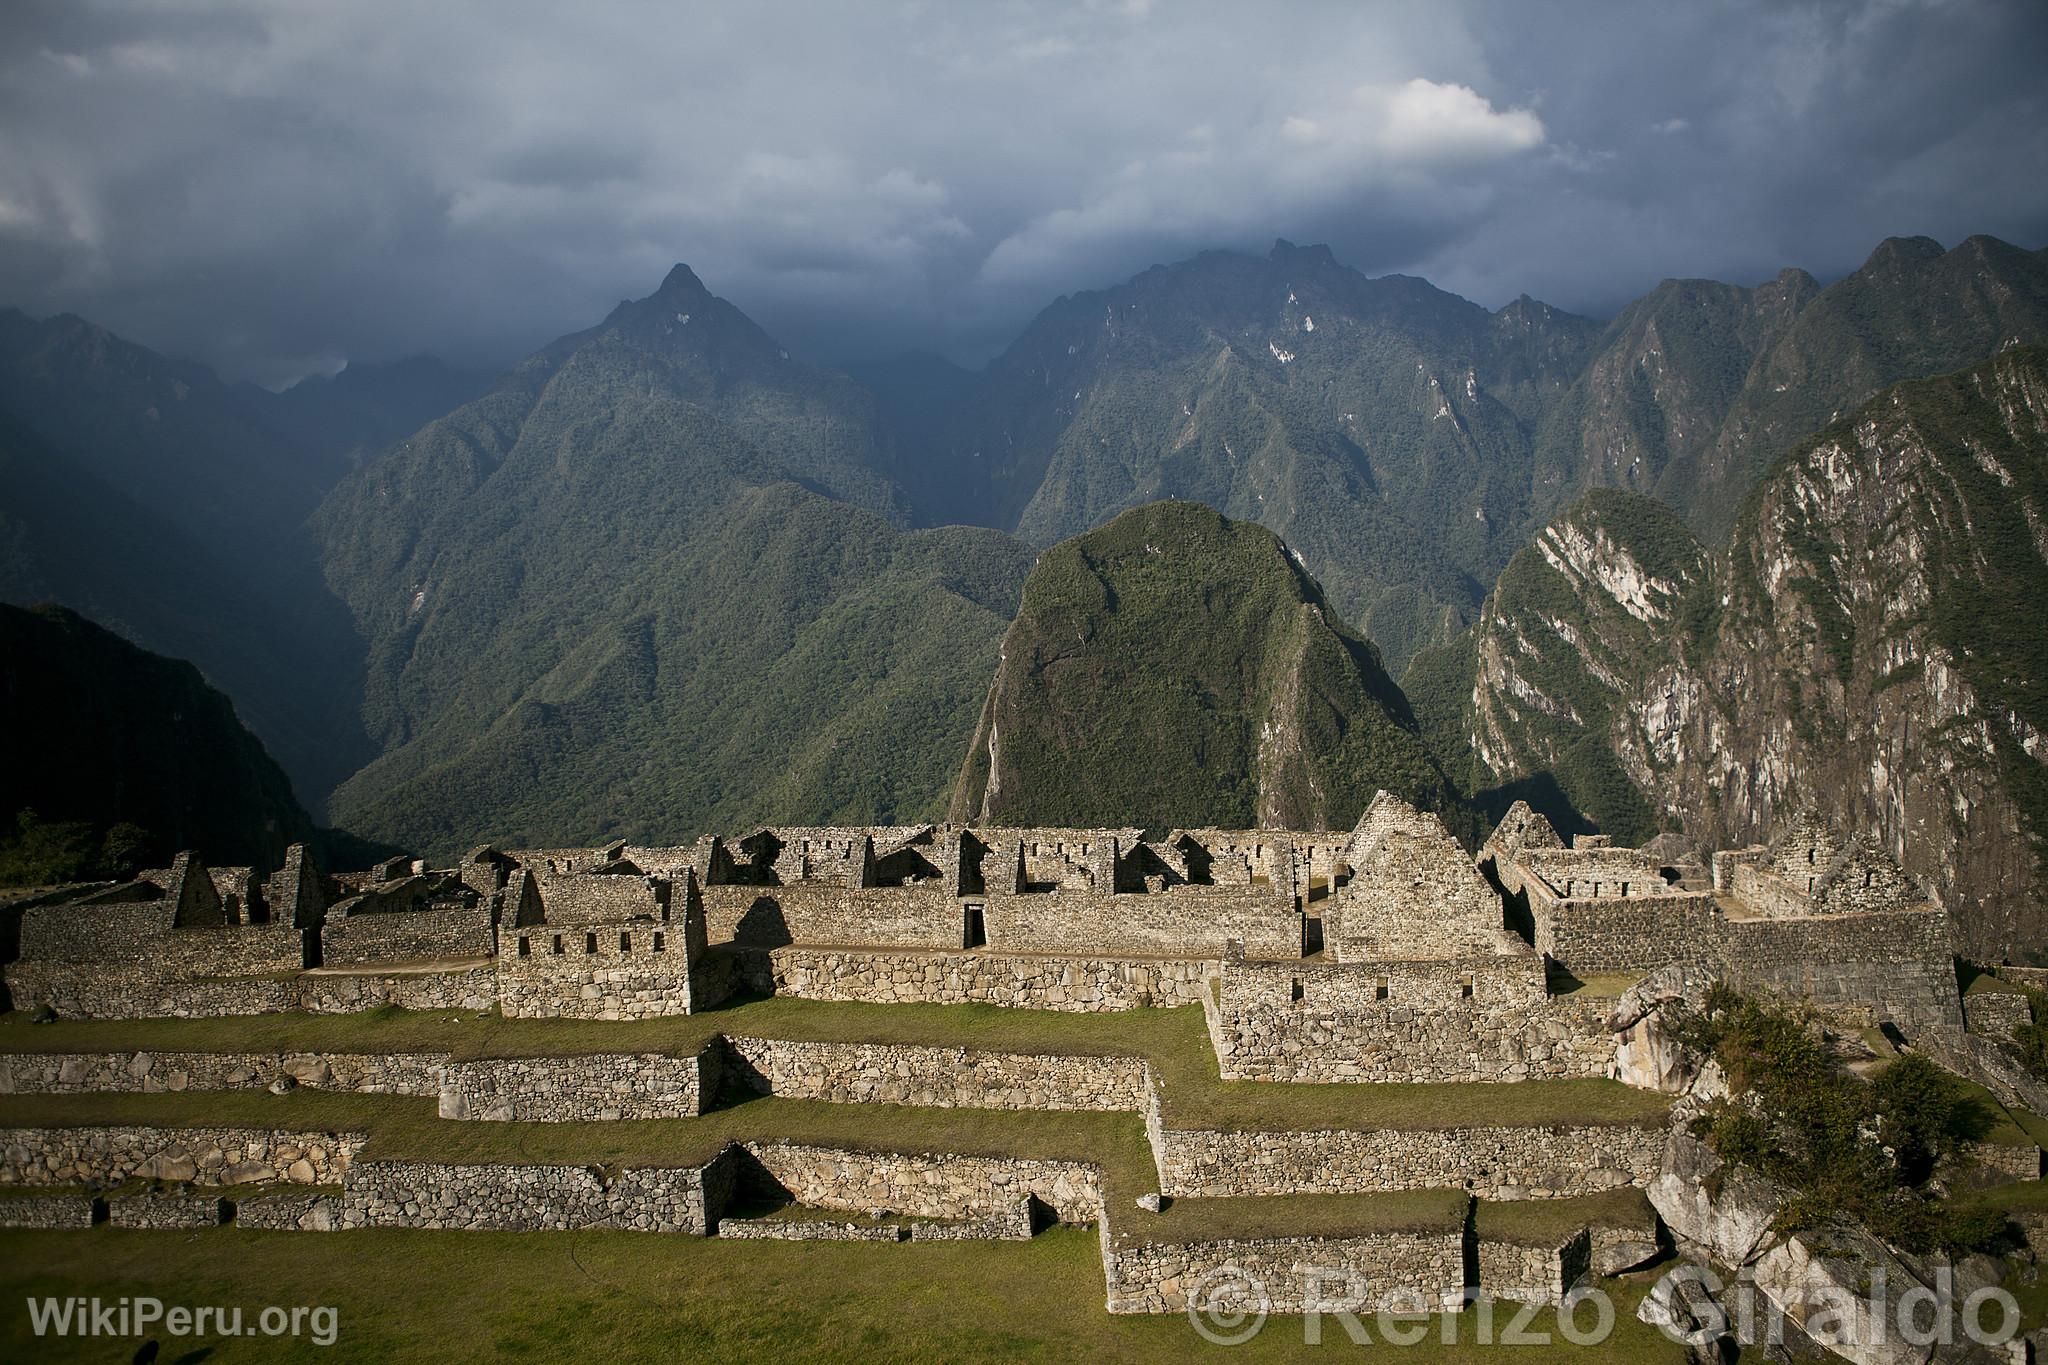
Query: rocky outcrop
{"x":1722,"y":1211}
{"x":1867,"y":644}
{"x":1647,"y":1053}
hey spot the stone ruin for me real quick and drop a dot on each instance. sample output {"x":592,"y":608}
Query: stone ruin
{"x":1284,"y":936}
{"x":1386,"y":953}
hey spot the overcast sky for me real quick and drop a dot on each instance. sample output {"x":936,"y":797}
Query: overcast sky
{"x":277,"y":187}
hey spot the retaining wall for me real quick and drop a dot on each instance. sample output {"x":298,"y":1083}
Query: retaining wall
{"x":928,"y":1186}
{"x":219,"y":1156}
{"x":1491,"y":1162}
{"x":1072,"y":984}
{"x":854,"y":1073}
{"x":645,"y":1085}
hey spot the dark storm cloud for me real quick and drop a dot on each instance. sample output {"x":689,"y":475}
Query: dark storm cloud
{"x":276,"y":188}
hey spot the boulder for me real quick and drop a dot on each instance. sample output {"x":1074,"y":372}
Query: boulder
{"x":309,"y":1070}
{"x":1151,"y":1203}
{"x":1617,"y":1247}
{"x":171,"y":1166}
{"x":1648,"y":1056}
{"x":1725,"y":1212}
{"x":1676,"y":982}
{"x":1682,"y":1307}
{"x":1842,"y":1287}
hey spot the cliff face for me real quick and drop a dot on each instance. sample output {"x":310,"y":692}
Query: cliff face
{"x":1177,"y":668}
{"x":1697,"y":387}
{"x":1869,"y":643}
{"x":1567,"y":637}
{"x":102,"y":732}
{"x":1382,"y":426}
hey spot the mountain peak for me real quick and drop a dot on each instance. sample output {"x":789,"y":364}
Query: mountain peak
{"x":1175,"y":632}
{"x":1285,"y":251}
{"x":1899,"y":250}
{"x":681,"y":282}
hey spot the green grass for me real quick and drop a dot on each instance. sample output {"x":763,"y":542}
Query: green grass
{"x":1175,"y":1041}
{"x":626,"y":1297}
{"x":1548,"y":1222}
{"x":1296,"y":1215}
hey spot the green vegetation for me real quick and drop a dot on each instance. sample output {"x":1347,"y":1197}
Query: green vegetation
{"x":1175,"y":1042}
{"x":1847,"y":1147}
{"x":1548,"y":1222}
{"x":651,"y":586}
{"x":40,"y":852}
{"x":624,"y":1296}
{"x":1176,"y":668}
{"x":118,"y":757}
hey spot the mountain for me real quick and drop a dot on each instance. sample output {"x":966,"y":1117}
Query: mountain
{"x":167,"y":432}
{"x":102,"y":733}
{"x":1697,"y":388}
{"x":261,"y":628}
{"x":1868,"y":643}
{"x":1176,"y":668}
{"x":1407,"y":442}
{"x":655,"y":582}
{"x":1383,"y":427}
{"x":1573,"y":627}
{"x":363,"y":407}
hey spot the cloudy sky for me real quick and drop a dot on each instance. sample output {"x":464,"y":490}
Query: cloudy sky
{"x":276,"y":187}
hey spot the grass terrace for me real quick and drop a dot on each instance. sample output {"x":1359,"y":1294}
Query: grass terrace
{"x":1174,"y":1041}
{"x":627,"y":1297}
{"x":1549,"y":1222}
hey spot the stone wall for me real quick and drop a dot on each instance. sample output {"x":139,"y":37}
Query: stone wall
{"x":1996,"y":1014}
{"x":1502,"y":980}
{"x":1625,"y":934}
{"x":117,"y":992}
{"x":505,"y":1198}
{"x":1259,"y":1035}
{"x":45,"y":1210}
{"x":1396,"y":1270}
{"x":1491,"y":1162}
{"x":408,"y":935}
{"x":1176,"y":921}
{"x":1009,"y":1223}
{"x":1074,"y":984}
{"x":167,"y":1209}
{"x":603,"y":899}
{"x":218,"y":1156}
{"x":853,"y":1073}
{"x":80,"y":1073}
{"x":924,"y":915}
{"x":1533,"y":1271}
{"x":111,"y":992}
{"x":601,"y":1087}
{"x":472,"y":988}
{"x":810,"y":1230}
{"x":1897,"y":967}
{"x":1764,"y":892}
{"x":617,"y":971}
{"x":929,"y":1186}
{"x":290,"y":1211}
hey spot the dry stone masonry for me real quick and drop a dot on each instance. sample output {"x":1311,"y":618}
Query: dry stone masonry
{"x":1381,"y":954}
